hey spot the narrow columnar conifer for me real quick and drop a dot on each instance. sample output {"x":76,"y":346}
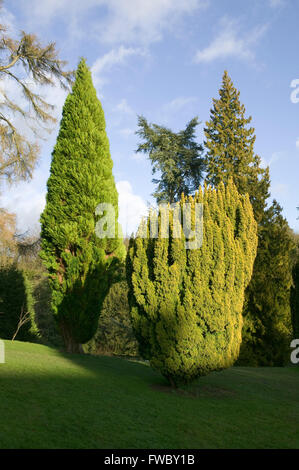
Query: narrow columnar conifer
{"x":80,"y":264}
{"x":186,"y":304}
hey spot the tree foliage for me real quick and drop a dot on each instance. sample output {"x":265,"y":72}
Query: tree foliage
{"x":80,"y":264}
{"x":16,"y":301}
{"x":267,"y":330}
{"x":114,"y":335}
{"x":230,"y":148}
{"x":176,"y":157}
{"x":295,"y":288}
{"x":28,"y":65}
{"x":186,"y":304}
{"x":230,"y":154}
{"x":7,"y":237}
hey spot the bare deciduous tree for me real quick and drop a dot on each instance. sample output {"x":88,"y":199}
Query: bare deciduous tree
{"x":24,"y":318}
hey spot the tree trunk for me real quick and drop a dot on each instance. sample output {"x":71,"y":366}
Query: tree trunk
{"x":71,"y":346}
{"x":172,"y":383}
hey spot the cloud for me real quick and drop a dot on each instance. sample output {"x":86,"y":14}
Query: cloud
{"x":276,"y":3}
{"x":229,"y":42}
{"x":144,"y":21}
{"x":138,"y":156}
{"x":131,"y":207}
{"x":126,"y":132}
{"x":112,"y":21}
{"x":111,"y":59}
{"x":124,"y":107}
{"x":32,"y":128}
{"x":279,"y":190}
{"x":178,"y":103}
{"x":27,"y":201}
{"x":8,"y":19}
{"x":274,"y":158}
{"x":297,"y":143}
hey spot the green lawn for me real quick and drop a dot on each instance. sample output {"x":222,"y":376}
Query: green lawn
{"x":54,"y":400}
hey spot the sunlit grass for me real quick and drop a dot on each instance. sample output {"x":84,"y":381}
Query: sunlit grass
{"x":54,"y":400}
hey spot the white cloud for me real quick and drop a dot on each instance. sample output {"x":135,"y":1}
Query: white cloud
{"x":276,"y":3}
{"x":279,"y":190}
{"x":8,"y":19}
{"x":274,"y":158}
{"x":138,"y":156}
{"x":111,"y":59}
{"x":26,"y":200}
{"x":178,"y":103}
{"x":32,"y":128}
{"x":297,"y":143}
{"x":113,"y":21}
{"x":126,"y":132}
{"x":131,"y":207}
{"x":231,"y":43}
{"x":124,"y":107}
{"x":144,"y":20}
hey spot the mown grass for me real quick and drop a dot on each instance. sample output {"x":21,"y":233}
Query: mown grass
{"x":53,"y":400}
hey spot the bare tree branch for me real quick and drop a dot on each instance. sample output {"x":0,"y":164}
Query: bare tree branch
{"x":24,"y":318}
{"x":41,"y":65}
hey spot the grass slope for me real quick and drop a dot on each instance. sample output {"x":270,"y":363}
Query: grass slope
{"x":53,"y":400}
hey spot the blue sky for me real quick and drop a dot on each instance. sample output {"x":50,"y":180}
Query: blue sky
{"x":165,"y":59}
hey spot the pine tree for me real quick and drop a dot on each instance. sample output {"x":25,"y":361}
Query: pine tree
{"x":186,"y":304}
{"x":175,"y":156}
{"x":80,"y":264}
{"x":230,"y":153}
{"x":230,"y":149}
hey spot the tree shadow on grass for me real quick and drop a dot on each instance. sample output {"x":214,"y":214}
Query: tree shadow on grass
{"x":50,"y":399}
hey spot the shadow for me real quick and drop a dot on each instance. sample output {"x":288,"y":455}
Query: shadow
{"x":16,"y":300}
{"x":50,"y":399}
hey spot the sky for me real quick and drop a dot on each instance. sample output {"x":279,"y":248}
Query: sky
{"x":164,"y":59}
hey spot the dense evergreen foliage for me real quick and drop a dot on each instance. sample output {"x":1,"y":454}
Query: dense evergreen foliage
{"x":295,"y":288}
{"x":175,"y":157}
{"x":80,"y":263}
{"x":186,"y":304}
{"x":230,"y":153}
{"x":230,"y":149}
{"x":114,"y":335}
{"x":16,"y":302}
{"x":267,"y":330}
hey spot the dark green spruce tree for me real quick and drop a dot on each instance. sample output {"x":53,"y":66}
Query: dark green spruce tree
{"x":81,"y":264}
{"x":230,"y":153}
{"x":175,"y":157}
{"x":230,"y":149}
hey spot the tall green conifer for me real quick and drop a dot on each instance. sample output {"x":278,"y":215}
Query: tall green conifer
{"x":230,"y":149}
{"x":230,"y":153}
{"x":80,"y":264}
{"x":186,"y":304}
